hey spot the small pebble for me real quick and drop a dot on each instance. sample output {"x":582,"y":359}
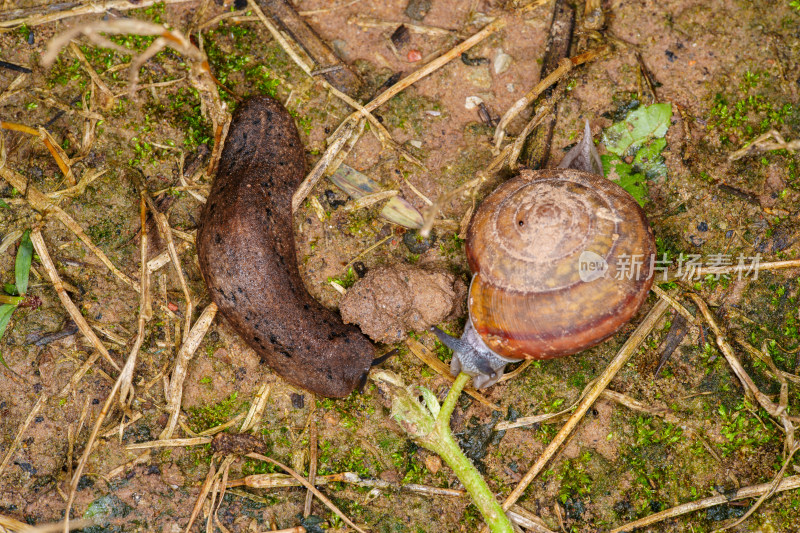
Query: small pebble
{"x":333,"y":200}
{"x":501,"y":61}
{"x":360,"y":268}
{"x":414,"y":56}
{"x":298,"y":400}
{"x":472,"y":102}
{"x":415,"y":143}
{"x":433,"y":113}
{"x":31,"y":38}
{"x":729,"y":234}
{"x":417,"y":9}
{"x":401,"y":36}
{"x":416,"y":244}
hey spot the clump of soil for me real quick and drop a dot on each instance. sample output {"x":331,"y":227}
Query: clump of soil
{"x":392,"y":300}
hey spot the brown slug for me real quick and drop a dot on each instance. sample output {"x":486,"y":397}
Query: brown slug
{"x":245,"y":245}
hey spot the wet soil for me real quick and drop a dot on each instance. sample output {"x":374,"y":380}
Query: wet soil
{"x":730,"y":70}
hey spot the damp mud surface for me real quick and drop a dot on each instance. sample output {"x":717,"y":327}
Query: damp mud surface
{"x":730,"y":71}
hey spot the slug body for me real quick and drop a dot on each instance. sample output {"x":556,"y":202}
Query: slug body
{"x":245,"y":245}
{"x":561,"y":259}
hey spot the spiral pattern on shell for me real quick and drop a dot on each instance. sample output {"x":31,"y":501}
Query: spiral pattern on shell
{"x":561,"y":260}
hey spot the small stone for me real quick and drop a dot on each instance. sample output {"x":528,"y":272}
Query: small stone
{"x":360,"y":268}
{"x":417,"y":9}
{"x":401,"y":36}
{"x":472,"y":102}
{"x":433,"y":464}
{"x":510,"y":87}
{"x":340,"y":48}
{"x":390,"y":301}
{"x":414,"y":56}
{"x":298,"y":400}
{"x":416,"y":244}
{"x":501,"y":61}
{"x":415,"y":143}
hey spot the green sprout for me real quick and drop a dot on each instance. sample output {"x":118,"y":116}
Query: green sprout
{"x":16,"y":295}
{"x":428,"y":425}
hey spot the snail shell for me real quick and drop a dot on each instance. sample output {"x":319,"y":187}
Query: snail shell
{"x":561,"y":259}
{"x":530,"y":247}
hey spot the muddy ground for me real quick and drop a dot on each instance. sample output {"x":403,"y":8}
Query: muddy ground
{"x":731,"y":71}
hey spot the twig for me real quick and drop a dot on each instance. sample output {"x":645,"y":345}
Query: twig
{"x":107,"y":101}
{"x":312,"y":466}
{"x":166,"y":231}
{"x":627,"y":350}
{"x":74,"y":312}
{"x":763,"y":144}
{"x":559,"y":37}
{"x":788,"y":483}
{"x":276,"y":481}
{"x":145,"y":308}
{"x":52,"y":146}
{"x":309,"y":486}
{"x":772,"y":489}
{"x":185,"y":354}
{"x":769,"y":406}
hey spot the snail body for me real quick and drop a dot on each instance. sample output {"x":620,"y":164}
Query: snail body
{"x":560,"y":261}
{"x":246,"y":250}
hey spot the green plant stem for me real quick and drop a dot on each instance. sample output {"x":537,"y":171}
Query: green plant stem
{"x":11,"y":300}
{"x":441,"y":441}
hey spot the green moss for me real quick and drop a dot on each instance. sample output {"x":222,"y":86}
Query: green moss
{"x":750,"y":111}
{"x":575,"y":481}
{"x":206,"y":417}
{"x":65,"y":70}
{"x":346,"y":281}
{"x":743,"y":430}
{"x":182,"y":110}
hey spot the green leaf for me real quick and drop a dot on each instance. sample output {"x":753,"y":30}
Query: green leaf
{"x":9,"y":288}
{"x":623,"y":175}
{"x":4,"y":205}
{"x":6,"y":310}
{"x":22,"y":267}
{"x":639,"y":127}
{"x":649,"y":160}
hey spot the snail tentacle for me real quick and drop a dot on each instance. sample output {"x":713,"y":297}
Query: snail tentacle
{"x":473,"y":357}
{"x":583,"y":156}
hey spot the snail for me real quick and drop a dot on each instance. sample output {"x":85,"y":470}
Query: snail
{"x":245,"y":246}
{"x":561,"y":259}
